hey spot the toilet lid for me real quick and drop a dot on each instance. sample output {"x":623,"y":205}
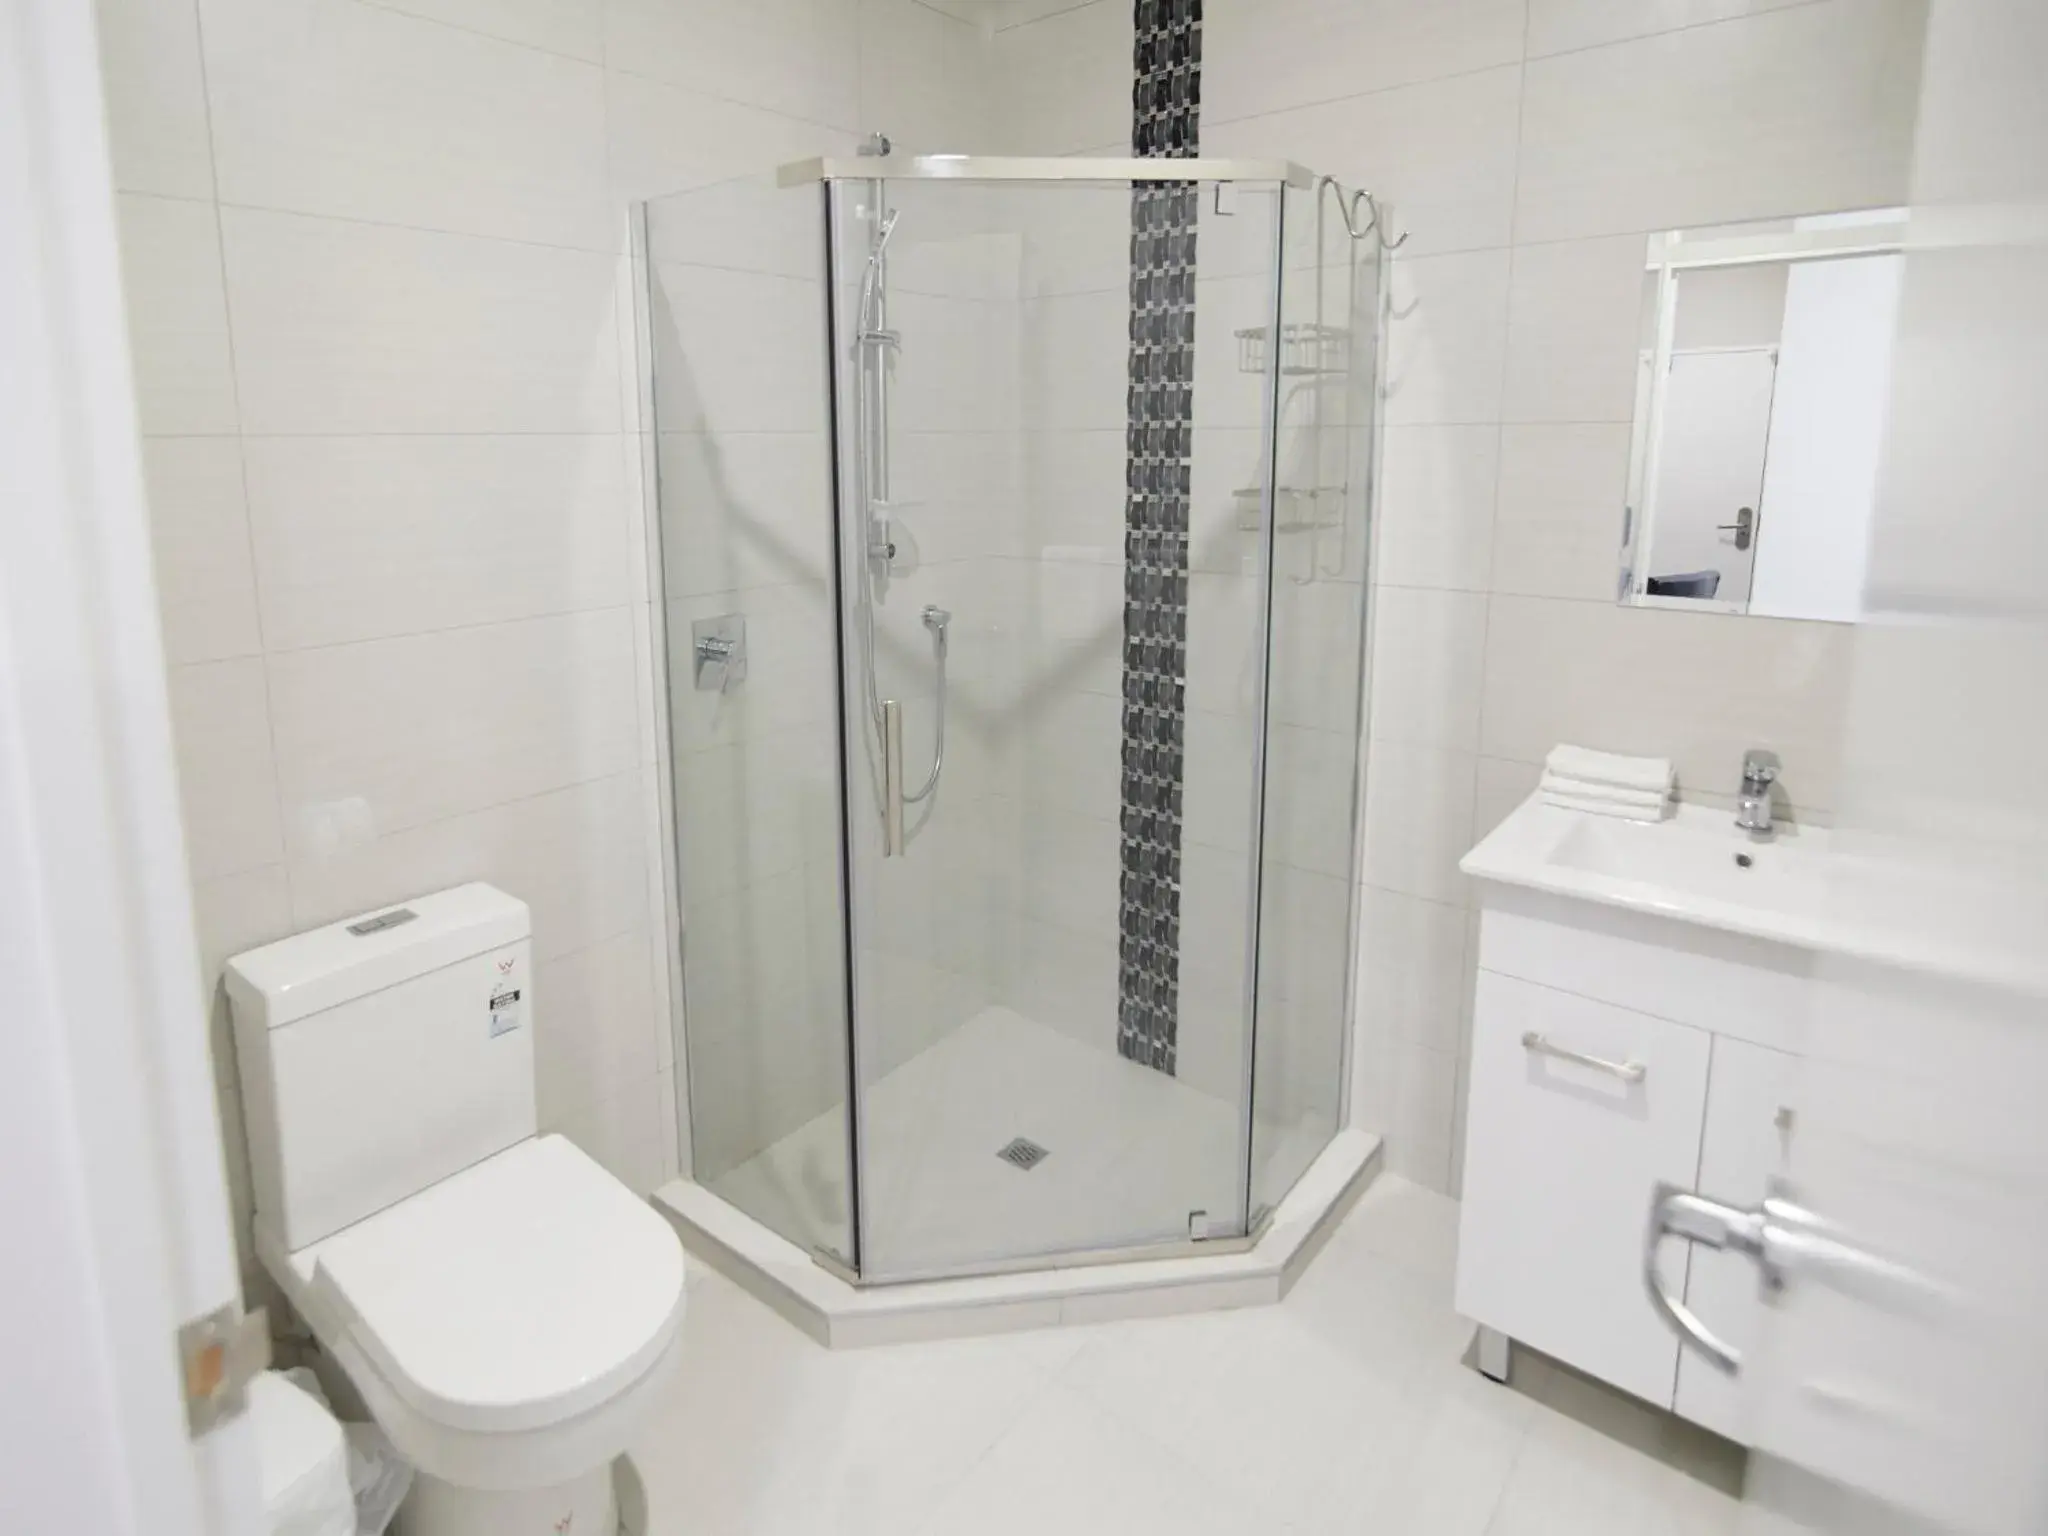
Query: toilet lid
{"x":515,"y":1294}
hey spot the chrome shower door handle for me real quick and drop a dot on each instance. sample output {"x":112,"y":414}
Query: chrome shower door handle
{"x":892,"y":778}
{"x":1744,"y":527}
{"x":1676,"y":1212}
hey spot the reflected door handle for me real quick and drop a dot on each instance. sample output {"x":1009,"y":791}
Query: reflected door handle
{"x":1744,"y":527}
{"x":1786,"y":1241}
{"x":1676,"y":1212}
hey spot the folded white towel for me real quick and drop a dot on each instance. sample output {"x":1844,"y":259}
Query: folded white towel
{"x":1598,"y":805}
{"x":1652,"y":773}
{"x":1588,"y":789}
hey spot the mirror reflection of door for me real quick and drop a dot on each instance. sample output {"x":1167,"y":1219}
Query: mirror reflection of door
{"x":1763,"y":379}
{"x":1710,"y":474}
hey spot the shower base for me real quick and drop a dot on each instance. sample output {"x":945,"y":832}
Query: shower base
{"x":1107,"y":1146}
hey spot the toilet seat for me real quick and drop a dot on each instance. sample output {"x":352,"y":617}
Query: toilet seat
{"x":524,"y":1301}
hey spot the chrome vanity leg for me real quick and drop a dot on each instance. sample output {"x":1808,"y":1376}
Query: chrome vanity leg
{"x":1491,"y":1354}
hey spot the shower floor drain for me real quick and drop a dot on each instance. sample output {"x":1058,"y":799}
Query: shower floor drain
{"x":1023,"y":1154}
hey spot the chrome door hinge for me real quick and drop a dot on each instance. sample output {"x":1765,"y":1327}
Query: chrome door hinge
{"x":218,"y":1356}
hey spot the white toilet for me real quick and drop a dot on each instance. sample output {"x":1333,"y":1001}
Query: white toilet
{"x":508,"y":1310}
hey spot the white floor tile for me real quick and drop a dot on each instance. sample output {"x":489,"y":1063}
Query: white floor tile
{"x":1345,"y":1410}
{"x":767,"y":1434}
{"x":1264,"y":1407}
{"x":1572,"y":1481}
{"x":1071,"y":1469}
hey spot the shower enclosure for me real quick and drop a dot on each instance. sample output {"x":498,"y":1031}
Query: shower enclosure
{"x":1014,"y":526}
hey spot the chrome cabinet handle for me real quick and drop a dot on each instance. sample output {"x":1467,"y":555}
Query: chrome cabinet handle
{"x":1676,"y":1212}
{"x":1627,"y":1071}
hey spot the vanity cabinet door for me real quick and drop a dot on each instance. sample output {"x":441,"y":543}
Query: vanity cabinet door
{"x":1750,"y":1120}
{"x":1560,"y":1162}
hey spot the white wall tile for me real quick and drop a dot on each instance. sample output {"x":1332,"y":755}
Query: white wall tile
{"x":1429,"y":651}
{"x":756,"y":807}
{"x":436,"y":449}
{"x":1461,"y":1098}
{"x":1077,"y":360}
{"x":1557,"y":528}
{"x":1267,"y":55}
{"x":1011,"y":13}
{"x":353,"y":328}
{"x":572,"y":27}
{"x":622,"y":1132}
{"x":390,"y":734}
{"x":221,"y":719}
{"x":926,"y":77}
{"x":1788,"y":112}
{"x":177,"y":315}
{"x":156,"y":97}
{"x":1557,"y":26}
{"x":358,"y":538}
{"x":232,"y":913}
{"x":664,"y":138}
{"x":1064,"y":82}
{"x":1418,"y":819}
{"x":1436,"y":506}
{"x":738,"y":351}
{"x":1412,"y":967}
{"x":1070,"y":868}
{"x":794,"y":56}
{"x":1073,"y":741}
{"x":1311,"y":779}
{"x":1440,"y":154}
{"x":236,"y":912}
{"x":1424,"y":1092}
{"x":1316,"y":631}
{"x":1574,"y":319}
{"x":577,"y":857}
{"x":744,"y":509}
{"x":1699,"y":688}
{"x":595,"y":1028}
{"x":355,"y":111}
{"x":1447,"y":341}
{"x":1502,"y":785}
{"x":199,"y":535}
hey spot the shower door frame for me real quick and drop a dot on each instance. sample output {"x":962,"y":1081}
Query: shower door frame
{"x":1283,"y":177}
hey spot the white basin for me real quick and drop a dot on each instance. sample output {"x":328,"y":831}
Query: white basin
{"x":1697,"y":866}
{"x":1802,"y":886}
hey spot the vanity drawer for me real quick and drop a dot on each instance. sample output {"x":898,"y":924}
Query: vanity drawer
{"x":1560,"y":1161}
{"x":1726,"y":983}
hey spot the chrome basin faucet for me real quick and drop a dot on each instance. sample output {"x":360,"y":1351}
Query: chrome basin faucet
{"x":1753,"y":810}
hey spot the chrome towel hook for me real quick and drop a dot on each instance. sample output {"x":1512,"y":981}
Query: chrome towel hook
{"x":1348,"y":204}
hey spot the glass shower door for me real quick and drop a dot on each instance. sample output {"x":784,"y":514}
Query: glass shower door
{"x":1051,"y":595}
{"x":1325,"y":457}
{"x":740,"y":460}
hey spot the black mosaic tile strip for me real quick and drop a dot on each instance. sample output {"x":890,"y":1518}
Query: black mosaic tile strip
{"x":1166,"y":100}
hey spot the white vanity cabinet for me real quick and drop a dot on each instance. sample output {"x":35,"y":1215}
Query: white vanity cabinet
{"x":1612,"y":1050}
{"x":1751,"y":1117}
